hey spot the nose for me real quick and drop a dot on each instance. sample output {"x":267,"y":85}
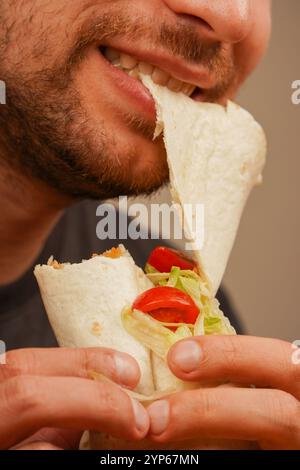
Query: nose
{"x":227,"y":20}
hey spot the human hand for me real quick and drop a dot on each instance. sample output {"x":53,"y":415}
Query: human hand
{"x":268,"y":414}
{"x":50,"y":388}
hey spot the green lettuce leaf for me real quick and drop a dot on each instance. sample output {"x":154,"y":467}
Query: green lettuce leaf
{"x":152,"y":333}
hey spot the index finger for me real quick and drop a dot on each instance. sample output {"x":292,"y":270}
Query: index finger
{"x":77,"y":362}
{"x":29,"y":403}
{"x":237,"y":359}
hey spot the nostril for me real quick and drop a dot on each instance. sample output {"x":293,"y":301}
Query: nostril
{"x":198,"y":21}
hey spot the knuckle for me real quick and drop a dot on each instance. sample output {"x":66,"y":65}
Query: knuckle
{"x":83,"y":359}
{"x":21,"y":359}
{"x":112,"y":403}
{"x":12,"y":358}
{"x":292,"y":416}
{"x":285,"y":411}
{"x":21,"y":393}
{"x":200,"y":403}
{"x":205,"y":404}
{"x":115,"y":407}
{"x":89,"y":359}
{"x":230,"y":353}
{"x":7,"y":372}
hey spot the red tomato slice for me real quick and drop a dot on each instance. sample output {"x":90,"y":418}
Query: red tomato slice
{"x":163,"y":259}
{"x":167,"y":304}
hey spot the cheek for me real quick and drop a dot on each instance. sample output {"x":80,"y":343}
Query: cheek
{"x":38,"y":34}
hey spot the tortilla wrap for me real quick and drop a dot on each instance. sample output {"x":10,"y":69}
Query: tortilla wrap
{"x":216,"y":156}
{"x":84,"y":303}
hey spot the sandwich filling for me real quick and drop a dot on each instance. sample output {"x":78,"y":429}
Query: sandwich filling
{"x":179,"y":305}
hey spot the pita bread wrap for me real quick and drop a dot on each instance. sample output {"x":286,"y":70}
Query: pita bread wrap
{"x":215,"y":156}
{"x":84,"y":303}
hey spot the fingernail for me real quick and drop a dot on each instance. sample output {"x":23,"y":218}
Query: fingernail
{"x":187,"y":355}
{"x":140,"y":415}
{"x":125,"y":371}
{"x":159,"y":413}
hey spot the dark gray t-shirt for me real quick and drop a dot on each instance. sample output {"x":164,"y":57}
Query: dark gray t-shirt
{"x":23,"y":321}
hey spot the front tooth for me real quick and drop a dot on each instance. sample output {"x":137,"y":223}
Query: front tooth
{"x":174,"y":85}
{"x":160,"y":77}
{"x":111,"y":54}
{"x":186,"y":89}
{"x":128,"y":62}
{"x":145,"y":68}
{"x":134,"y":73}
{"x":116,"y":63}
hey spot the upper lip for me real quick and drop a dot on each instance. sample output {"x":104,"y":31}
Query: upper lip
{"x":195,"y":74}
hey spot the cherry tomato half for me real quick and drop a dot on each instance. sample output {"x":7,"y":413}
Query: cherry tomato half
{"x":167,"y":304}
{"x":163,"y":259}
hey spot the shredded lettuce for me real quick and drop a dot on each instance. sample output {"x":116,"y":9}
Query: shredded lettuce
{"x":184,"y":331}
{"x":150,"y":270}
{"x":192,"y":288}
{"x":199,"y":326}
{"x":152,"y":333}
{"x":173,"y":277}
{"x":212,"y":325}
{"x":214,"y":321}
{"x":148,"y":331}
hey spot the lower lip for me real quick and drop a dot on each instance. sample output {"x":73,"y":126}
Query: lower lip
{"x":135,"y":91}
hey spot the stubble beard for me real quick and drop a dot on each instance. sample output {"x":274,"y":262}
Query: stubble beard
{"x":50,"y":136}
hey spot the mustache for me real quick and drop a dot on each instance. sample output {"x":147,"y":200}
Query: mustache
{"x":184,"y":42}
{"x":180,"y":39}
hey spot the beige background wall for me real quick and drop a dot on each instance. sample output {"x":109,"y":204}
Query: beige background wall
{"x":264,"y":271}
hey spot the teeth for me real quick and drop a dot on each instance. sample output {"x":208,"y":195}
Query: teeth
{"x":188,"y":89}
{"x":116,"y":63}
{"x":160,"y":77}
{"x":174,"y":85}
{"x":111,"y":54}
{"x":146,"y":69}
{"x":131,"y":66}
{"x":134,"y":73}
{"x":128,"y":62}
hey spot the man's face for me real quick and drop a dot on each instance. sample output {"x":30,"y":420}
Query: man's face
{"x":82,"y":123}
